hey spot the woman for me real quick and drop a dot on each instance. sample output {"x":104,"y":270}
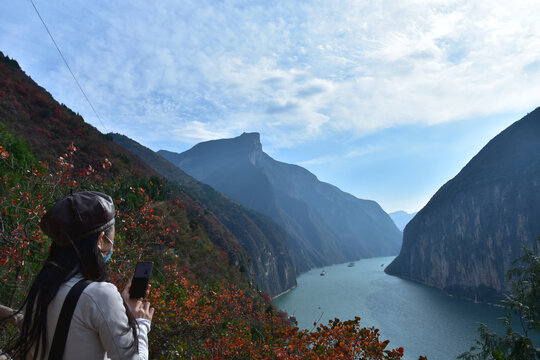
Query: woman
{"x":105,"y":323}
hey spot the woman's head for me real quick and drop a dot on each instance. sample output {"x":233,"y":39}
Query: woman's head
{"x":78,"y":216}
{"x":81,"y":226}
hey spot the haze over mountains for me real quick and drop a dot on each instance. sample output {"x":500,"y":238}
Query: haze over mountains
{"x":467,"y":236}
{"x":324,"y":224}
{"x":401,"y":218}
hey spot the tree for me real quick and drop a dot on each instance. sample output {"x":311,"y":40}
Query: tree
{"x":523,"y":301}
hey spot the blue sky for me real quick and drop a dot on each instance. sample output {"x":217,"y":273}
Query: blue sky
{"x":387,"y":100}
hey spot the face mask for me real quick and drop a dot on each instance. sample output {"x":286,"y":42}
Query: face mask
{"x":109,"y":254}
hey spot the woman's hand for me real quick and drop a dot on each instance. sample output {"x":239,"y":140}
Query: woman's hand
{"x":143,"y":310}
{"x":7,"y":313}
{"x":137,"y":307}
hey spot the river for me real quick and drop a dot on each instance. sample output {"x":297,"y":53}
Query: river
{"x":423,"y":320}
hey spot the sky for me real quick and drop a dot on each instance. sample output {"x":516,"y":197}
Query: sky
{"x":387,"y":100}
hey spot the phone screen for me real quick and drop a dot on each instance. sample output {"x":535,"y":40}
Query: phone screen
{"x":140,"y":281}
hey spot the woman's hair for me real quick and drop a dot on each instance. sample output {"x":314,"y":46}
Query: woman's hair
{"x":62,"y":264}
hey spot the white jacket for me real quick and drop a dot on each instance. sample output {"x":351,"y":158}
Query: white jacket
{"x":99,"y":328}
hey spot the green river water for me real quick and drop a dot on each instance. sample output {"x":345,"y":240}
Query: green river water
{"x":423,"y":320}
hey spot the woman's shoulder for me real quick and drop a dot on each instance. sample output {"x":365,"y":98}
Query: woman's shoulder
{"x":101,"y":296}
{"x":100,"y":289}
{"x":100,"y":293}
{"x":101,"y":308}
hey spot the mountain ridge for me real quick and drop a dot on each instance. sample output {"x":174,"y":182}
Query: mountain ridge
{"x":316,"y":215}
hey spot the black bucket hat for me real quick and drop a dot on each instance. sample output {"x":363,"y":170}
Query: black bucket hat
{"x":78,"y":216}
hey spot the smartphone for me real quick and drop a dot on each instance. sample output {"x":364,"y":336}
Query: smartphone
{"x":140,"y":281}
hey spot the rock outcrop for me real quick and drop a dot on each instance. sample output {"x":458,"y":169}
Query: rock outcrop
{"x":466,"y":238}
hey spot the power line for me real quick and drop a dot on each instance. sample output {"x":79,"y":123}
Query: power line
{"x":67,"y":65}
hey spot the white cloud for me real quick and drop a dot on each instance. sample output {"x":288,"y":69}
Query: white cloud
{"x":318,"y":161}
{"x":196,"y":131}
{"x":298,"y":72}
{"x":351,"y":154}
{"x":354,"y":153}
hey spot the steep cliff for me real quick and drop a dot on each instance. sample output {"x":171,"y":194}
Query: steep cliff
{"x":270,"y":264}
{"x":465,"y":239}
{"x":324,"y":224}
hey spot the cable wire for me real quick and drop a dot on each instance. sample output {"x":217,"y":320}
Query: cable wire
{"x":67,"y":65}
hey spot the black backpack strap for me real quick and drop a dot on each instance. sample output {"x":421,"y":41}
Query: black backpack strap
{"x":64,"y":320}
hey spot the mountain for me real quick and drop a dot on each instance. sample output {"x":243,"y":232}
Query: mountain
{"x":28,"y":111}
{"x":401,"y":218}
{"x":324,"y":224}
{"x":465,"y":239}
{"x":271,"y":264}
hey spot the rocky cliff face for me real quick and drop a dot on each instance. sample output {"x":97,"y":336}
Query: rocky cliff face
{"x":465,"y":239}
{"x":270,"y":264}
{"x":324,"y":225}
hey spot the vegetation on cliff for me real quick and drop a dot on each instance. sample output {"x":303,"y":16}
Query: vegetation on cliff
{"x":522,"y":302}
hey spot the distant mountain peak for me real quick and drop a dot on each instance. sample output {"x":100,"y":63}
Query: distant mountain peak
{"x":401,"y":218}
{"x":252,"y":140}
{"x":245,"y":143}
{"x":251,"y":135}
